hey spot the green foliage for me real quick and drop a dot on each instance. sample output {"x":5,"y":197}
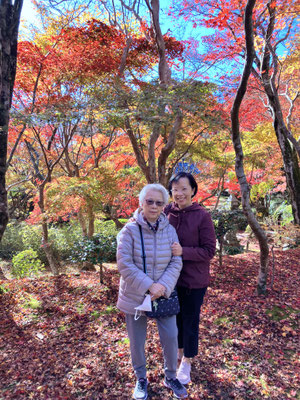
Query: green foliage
{"x":21,"y":236}
{"x":228,"y":220}
{"x":26,"y":263}
{"x":3,"y":289}
{"x":11,"y":242}
{"x":32,"y":239}
{"x":233,"y":250}
{"x":63,"y":238}
{"x":106,"y":228}
{"x":98,"y":249}
{"x":283,"y":213}
{"x":261,"y":189}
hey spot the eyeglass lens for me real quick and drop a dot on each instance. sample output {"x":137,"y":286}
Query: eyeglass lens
{"x":157,"y":203}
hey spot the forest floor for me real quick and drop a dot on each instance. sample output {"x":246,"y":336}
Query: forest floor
{"x":63,"y":338}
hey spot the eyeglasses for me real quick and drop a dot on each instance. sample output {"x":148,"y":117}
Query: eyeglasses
{"x":157,"y":203}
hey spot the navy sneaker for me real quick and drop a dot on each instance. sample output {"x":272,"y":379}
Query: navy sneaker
{"x":179,"y":390}
{"x":140,"y":390}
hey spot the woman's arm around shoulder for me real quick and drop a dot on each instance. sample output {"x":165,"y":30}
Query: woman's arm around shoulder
{"x":171,"y":274}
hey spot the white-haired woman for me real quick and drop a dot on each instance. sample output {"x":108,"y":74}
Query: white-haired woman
{"x":163,"y":270}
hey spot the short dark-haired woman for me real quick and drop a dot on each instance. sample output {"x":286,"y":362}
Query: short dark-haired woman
{"x":197,"y":247}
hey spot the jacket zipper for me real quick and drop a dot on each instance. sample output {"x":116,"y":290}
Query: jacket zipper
{"x":154,"y":264}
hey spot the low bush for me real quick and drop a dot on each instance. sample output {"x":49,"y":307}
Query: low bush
{"x":98,"y":249}
{"x":63,"y":239}
{"x":67,"y":241}
{"x":11,"y":242}
{"x":26,"y":264}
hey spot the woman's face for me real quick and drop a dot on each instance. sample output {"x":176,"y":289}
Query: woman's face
{"x":182,"y":192}
{"x":152,"y":205}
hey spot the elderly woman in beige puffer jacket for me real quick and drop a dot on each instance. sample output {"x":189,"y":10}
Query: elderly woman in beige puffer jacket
{"x":163,"y":270}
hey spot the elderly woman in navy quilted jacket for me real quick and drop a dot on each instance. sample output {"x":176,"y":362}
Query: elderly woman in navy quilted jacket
{"x":163,"y":270}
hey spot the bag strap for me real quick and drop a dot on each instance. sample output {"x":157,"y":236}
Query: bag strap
{"x":143,"y":250}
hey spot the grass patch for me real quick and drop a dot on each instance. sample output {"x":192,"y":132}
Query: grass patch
{"x":110,"y":310}
{"x":32,"y":302}
{"x":277,"y":313}
{"x":95,"y":314}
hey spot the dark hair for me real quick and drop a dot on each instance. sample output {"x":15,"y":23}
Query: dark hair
{"x":180,"y":175}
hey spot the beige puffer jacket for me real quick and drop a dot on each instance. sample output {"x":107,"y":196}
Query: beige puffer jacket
{"x":162,"y":267}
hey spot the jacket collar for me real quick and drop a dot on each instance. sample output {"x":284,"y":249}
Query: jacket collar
{"x":193,"y":207}
{"x":139,"y":218}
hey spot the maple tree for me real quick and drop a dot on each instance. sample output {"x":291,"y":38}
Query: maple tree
{"x":274,"y":27}
{"x":61,"y":102}
{"x":67,"y":196}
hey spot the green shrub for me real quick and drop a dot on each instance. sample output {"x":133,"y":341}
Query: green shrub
{"x":63,"y":239}
{"x":11,"y":242}
{"x":98,"y":249}
{"x":233,"y":250}
{"x":283,"y":214}
{"x":26,"y":263}
{"x":106,"y":228}
{"x":32,"y":239}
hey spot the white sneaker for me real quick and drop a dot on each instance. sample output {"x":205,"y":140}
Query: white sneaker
{"x":184,"y":372}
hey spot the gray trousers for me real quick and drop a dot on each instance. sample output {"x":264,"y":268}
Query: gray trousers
{"x":137,"y":331}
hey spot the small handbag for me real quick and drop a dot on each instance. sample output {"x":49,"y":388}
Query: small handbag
{"x":161,"y":307}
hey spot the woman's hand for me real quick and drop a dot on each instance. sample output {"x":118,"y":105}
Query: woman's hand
{"x":176,"y":249}
{"x":156,"y":290}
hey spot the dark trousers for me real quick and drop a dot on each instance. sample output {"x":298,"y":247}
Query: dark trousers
{"x":188,"y":319}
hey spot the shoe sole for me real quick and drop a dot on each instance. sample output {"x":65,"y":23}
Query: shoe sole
{"x":169,"y":387}
{"x":140,"y":398}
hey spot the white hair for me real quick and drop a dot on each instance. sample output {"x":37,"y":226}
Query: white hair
{"x":153,"y":186}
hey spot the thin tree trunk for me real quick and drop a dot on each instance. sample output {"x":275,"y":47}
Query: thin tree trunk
{"x":82,"y":222}
{"x":289,"y":146}
{"x":288,"y":151}
{"x":52,"y":259}
{"x":155,"y":170}
{"x":9,"y":28}
{"x":91,"y":221}
{"x":239,"y":165}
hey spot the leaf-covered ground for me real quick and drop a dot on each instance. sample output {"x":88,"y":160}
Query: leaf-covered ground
{"x":63,"y":338}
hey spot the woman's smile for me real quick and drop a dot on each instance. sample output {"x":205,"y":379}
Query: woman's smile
{"x":182,"y":192}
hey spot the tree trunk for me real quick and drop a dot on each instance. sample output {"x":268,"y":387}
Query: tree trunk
{"x":82,"y":222}
{"x":91,"y":221}
{"x":155,"y":170}
{"x":239,"y":165}
{"x":270,"y":73}
{"x":54,"y":263}
{"x":288,"y":151}
{"x":9,"y":28}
